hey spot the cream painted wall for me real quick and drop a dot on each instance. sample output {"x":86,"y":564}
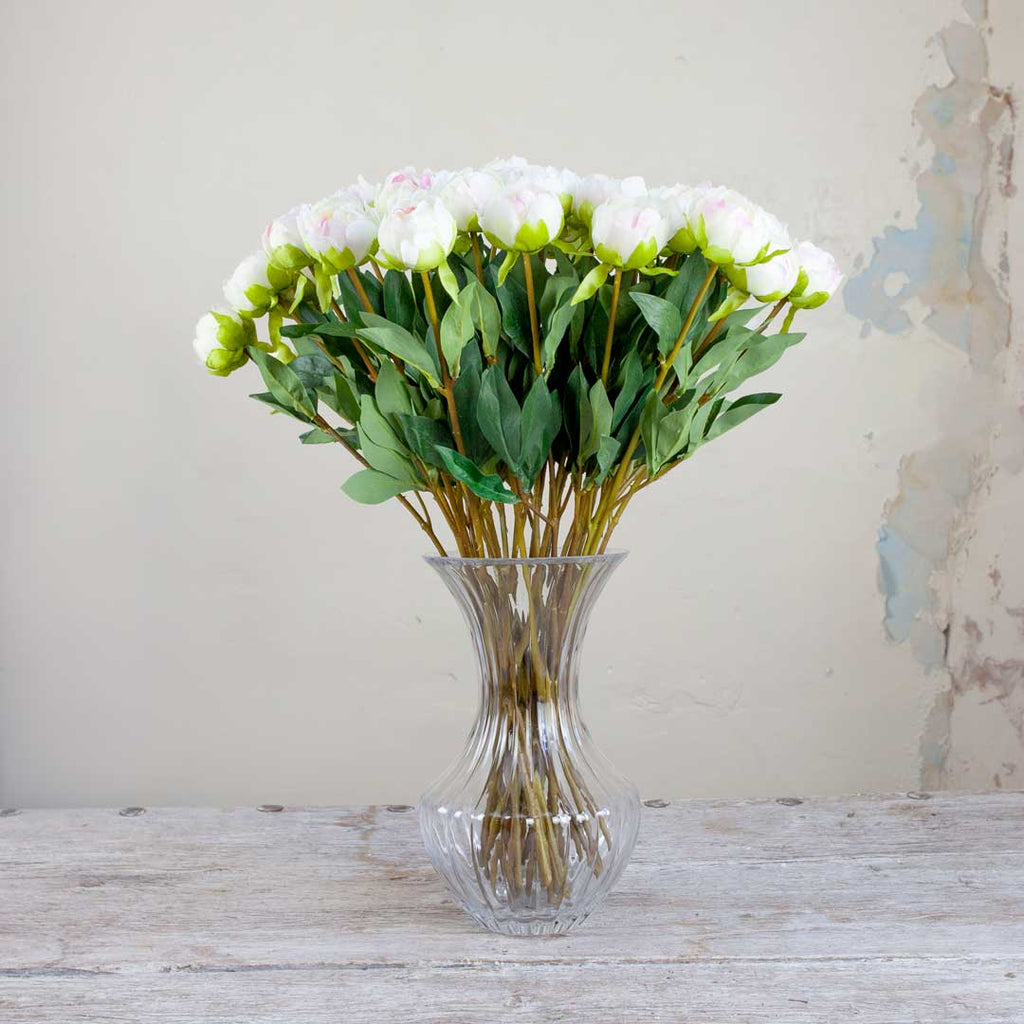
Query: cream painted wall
{"x":193,"y":613}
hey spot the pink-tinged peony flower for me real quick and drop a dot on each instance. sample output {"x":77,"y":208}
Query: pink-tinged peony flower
{"x":417,"y":237}
{"x":729,"y":228}
{"x":465,"y":194}
{"x":252,"y":288}
{"x":339,"y":231}
{"x":820,"y":276}
{"x":628,"y":233}
{"x":589,"y":192}
{"x":283,"y":244}
{"x":521,"y":219}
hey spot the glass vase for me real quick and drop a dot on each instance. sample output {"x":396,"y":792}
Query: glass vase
{"x":531,"y":827}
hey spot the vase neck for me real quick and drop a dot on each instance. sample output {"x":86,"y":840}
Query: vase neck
{"x":527,"y":619}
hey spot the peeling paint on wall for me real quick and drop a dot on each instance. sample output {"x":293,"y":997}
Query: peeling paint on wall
{"x":953,"y":264}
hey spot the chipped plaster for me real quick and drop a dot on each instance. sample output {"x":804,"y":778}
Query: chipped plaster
{"x":948,"y":534}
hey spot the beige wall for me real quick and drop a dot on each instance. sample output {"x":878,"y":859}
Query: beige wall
{"x":193,"y":613}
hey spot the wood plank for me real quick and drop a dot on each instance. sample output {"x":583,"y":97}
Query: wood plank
{"x":725,"y":907}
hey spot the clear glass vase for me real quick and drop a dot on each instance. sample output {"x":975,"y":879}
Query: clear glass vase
{"x":532,"y":826}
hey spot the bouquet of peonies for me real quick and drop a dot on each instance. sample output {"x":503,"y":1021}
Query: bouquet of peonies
{"x":516,"y":340}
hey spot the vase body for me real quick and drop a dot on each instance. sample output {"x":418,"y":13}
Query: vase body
{"x":532,"y":826}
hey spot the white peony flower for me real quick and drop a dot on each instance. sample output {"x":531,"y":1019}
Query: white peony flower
{"x":628,"y":233}
{"x":339,"y":231}
{"x":521,"y":219}
{"x":591,"y":191}
{"x":221,"y":337}
{"x":769,"y":281}
{"x":729,"y":228}
{"x":820,"y":276}
{"x":283,"y":244}
{"x":465,"y":194}
{"x":417,"y":237}
{"x":677,"y":203}
{"x":252,"y":288}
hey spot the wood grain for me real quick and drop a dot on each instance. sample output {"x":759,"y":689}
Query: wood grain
{"x":864,"y":910}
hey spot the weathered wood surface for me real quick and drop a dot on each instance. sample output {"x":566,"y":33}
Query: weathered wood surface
{"x":863,"y":910}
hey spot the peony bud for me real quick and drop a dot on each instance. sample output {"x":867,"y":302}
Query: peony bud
{"x":819,"y":279}
{"x":465,"y":194}
{"x":417,"y":237}
{"x":729,"y":228}
{"x":769,"y":281}
{"x":591,"y":191}
{"x":677,"y":203}
{"x":220,"y":341}
{"x":252,"y":289}
{"x":628,"y":233}
{"x":339,"y":231}
{"x":520,"y":219}
{"x":283,"y":244}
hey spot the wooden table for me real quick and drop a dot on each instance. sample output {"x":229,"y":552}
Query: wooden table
{"x":854,"y":910}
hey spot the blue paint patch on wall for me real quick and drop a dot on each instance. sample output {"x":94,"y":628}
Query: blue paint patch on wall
{"x":905,"y":574}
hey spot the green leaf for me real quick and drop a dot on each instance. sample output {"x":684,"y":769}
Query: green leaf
{"x":663,"y":317}
{"x":392,"y":392}
{"x":456,"y":329}
{"x":380,"y":444}
{"x":283,"y":384}
{"x":488,"y":486}
{"x":313,"y":370}
{"x":399,"y":301}
{"x":327,"y":328}
{"x":736,"y":412}
{"x":722,"y":351}
{"x":338,"y":395}
{"x":448,"y":280}
{"x":506,"y":265}
{"x":316,"y":436}
{"x":370,"y":487}
{"x":268,"y":399}
{"x":599,"y":423}
{"x":541,"y":421}
{"x":591,"y":283}
{"x":324,"y":286}
{"x":557,"y":322}
{"x":500,"y":417}
{"x":424,"y":436}
{"x":607,"y":453}
{"x":467,"y":397}
{"x":397,"y":341}
{"x":484,"y":313}
{"x":631,"y":380}
{"x":762,"y":353}
{"x":665,"y":429}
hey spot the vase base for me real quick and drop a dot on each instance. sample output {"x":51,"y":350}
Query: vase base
{"x":537,"y":925}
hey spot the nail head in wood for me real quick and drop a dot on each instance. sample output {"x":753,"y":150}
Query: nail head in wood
{"x":270,"y":808}
{"x":789,"y":801}
{"x":131,"y":812}
{"x":658,"y":804}
{"x":915,"y":795}
{"x":399,"y":808}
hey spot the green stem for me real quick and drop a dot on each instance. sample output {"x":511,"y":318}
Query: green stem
{"x":531,"y":298}
{"x":616,"y":284}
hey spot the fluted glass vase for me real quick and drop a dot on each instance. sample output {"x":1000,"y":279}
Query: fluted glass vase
{"x":532,"y":826}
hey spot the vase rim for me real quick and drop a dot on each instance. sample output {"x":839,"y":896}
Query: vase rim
{"x":615,"y":555}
